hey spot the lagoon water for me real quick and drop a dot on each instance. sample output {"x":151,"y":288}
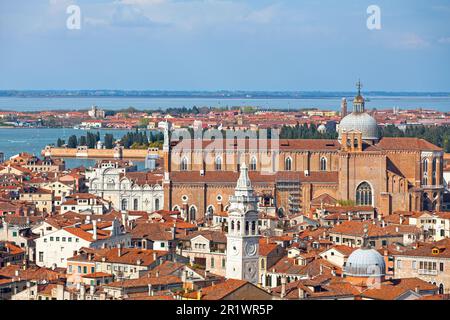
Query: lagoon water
{"x":14,"y":141}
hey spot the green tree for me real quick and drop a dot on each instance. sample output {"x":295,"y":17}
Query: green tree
{"x":109,"y":141}
{"x":72,"y":142}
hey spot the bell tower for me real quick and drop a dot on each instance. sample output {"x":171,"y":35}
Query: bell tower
{"x":243,"y":235}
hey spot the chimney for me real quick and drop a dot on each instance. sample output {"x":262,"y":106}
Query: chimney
{"x":199,"y":294}
{"x":283,"y":287}
{"x":157,"y":274}
{"x":301,"y":294}
{"x":155,"y":256}
{"x":151,"y":293}
{"x":119,"y":250}
{"x":94,"y":230}
{"x":397,"y":229}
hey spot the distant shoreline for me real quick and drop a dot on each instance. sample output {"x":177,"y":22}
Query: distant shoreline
{"x":210,"y":94}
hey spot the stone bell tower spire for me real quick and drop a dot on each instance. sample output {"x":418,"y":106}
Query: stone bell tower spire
{"x":243,"y":234}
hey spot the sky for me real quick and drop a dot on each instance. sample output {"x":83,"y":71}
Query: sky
{"x":289,"y":45}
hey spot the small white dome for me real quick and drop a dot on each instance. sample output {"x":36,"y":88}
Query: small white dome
{"x":362,"y":122}
{"x":365,"y":263}
{"x":322,"y":128}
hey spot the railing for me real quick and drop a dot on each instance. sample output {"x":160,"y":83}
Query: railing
{"x":428,"y":272}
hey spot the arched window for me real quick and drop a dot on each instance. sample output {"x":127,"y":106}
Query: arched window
{"x":364,"y":194}
{"x":124,"y":204}
{"x":238,"y":226}
{"x":288,"y":164}
{"x":323,"y":164}
{"x":184,"y":164}
{"x":425,"y":165}
{"x":425,"y":180}
{"x":253,"y":227}
{"x":232,"y":225}
{"x":247,"y":228}
{"x":433,"y":177}
{"x":210,"y":212}
{"x":176,"y":208}
{"x":156,"y":204}
{"x":193,"y":213}
{"x":253,"y":164}
{"x":135,"y":204}
{"x":218,"y":164}
{"x":441,"y":289}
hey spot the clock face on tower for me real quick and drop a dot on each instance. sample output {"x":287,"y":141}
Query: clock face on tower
{"x":251,"y":249}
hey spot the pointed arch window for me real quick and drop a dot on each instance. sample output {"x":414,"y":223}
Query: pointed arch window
{"x":193,"y":213}
{"x":288,"y":164}
{"x":364,"y":195}
{"x":253,"y":164}
{"x":425,"y":166}
{"x":184,"y":164}
{"x":218,"y":164}
{"x":323,"y":164}
{"x":135,"y":204}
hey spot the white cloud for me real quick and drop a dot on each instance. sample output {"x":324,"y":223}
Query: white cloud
{"x":413,"y":41}
{"x":444,"y":40}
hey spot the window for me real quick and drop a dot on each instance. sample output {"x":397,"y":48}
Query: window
{"x":212,"y":262}
{"x":323,"y":164}
{"x":70,"y":269}
{"x":223,"y":263}
{"x":441,"y":267}
{"x":184,"y":164}
{"x":57,"y":239}
{"x":364,"y":194}
{"x":92,"y":269}
{"x":399,"y":264}
{"x":124,"y":204}
{"x":253,"y":164}
{"x":414,"y":265}
{"x":41,"y":256}
{"x":192,"y":213}
{"x":14,"y":234}
{"x":51,"y":238}
{"x":218,"y":164}
{"x":163,"y":244}
{"x":135,"y":204}
{"x":63,"y":239}
{"x":157,"y":205}
{"x":84,"y":270}
{"x":288,"y":164}
{"x":425,"y":165}
{"x":79,"y":269}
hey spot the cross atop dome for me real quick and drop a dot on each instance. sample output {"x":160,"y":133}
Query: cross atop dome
{"x":359,"y":86}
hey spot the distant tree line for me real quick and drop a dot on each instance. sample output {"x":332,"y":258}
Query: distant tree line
{"x":438,"y":135}
{"x":131,"y":140}
{"x":140,"y":140}
{"x":305,"y":131}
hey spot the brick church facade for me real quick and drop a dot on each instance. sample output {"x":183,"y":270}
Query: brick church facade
{"x":291,"y":176}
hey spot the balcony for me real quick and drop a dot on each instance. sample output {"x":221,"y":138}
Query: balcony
{"x":427,"y":272}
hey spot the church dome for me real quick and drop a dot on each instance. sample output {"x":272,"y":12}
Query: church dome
{"x":362,"y":122}
{"x":365,"y":262}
